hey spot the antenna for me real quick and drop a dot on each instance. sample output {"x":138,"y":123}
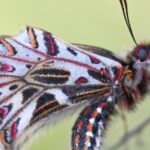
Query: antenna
{"x":124,"y":7}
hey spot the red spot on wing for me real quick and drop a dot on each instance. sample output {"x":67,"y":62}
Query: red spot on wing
{"x":94,"y":60}
{"x":81,"y":80}
{"x":3,"y":112}
{"x":6,"y":68}
{"x":14,"y":129}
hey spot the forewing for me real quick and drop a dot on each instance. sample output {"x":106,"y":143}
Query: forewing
{"x":41,"y":74}
{"x":99,"y":51}
{"x":50,"y":46}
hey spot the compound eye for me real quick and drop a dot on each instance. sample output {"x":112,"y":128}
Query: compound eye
{"x":142,"y":53}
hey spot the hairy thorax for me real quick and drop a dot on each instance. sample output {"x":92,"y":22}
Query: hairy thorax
{"x":134,"y":85}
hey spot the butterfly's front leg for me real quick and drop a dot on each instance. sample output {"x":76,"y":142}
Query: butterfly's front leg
{"x":88,"y":130}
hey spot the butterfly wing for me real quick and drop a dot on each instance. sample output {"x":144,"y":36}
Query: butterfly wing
{"x":33,"y":105}
{"x":99,"y":51}
{"x":41,"y":74}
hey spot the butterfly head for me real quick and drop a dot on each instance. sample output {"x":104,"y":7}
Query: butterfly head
{"x":141,"y":55}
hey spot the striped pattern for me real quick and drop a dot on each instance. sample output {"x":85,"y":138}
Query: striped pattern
{"x":51,"y":75}
{"x":28,"y":93}
{"x":85,"y":134}
{"x":41,"y":74}
{"x":52,"y":47}
{"x":33,"y":41}
{"x":86,"y":95}
{"x":7,"y":136}
{"x":102,"y":75}
{"x":46,"y":104}
{"x":10,"y":49}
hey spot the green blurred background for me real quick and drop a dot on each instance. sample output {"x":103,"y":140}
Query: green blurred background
{"x":93,"y":22}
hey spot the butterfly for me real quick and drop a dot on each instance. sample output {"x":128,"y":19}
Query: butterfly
{"x":41,"y":77}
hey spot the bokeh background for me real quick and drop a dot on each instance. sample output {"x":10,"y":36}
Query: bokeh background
{"x":93,"y":22}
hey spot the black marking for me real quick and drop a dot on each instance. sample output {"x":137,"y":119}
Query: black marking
{"x":99,"y":76}
{"x":38,"y":58}
{"x":82,"y":93}
{"x":13,"y":87}
{"x":72,"y":51}
{"x":51,"y":80}
{"x":51,"y":71}
{"x":71,"y":91}
{"x":7,"y":137}
{"x":10,"y":106}
{"x":46,"y":104}
{"x":51,"y":76}
{"x":28,"y":66}
{"x":45,"y":108}
{"x":46,"y":97}
{"x":28,"y":93}
{"x":115,"y":70}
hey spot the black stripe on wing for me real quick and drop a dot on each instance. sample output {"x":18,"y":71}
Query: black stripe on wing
{"x":50,"y":75}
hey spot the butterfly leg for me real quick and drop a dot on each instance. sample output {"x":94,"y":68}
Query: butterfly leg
{"x":88,"y":130}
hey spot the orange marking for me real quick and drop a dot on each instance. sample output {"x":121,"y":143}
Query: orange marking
{"x":2,"y":139}
{"x":128,"y":74}
{"x":90,"y":127}
{"x":33,"y":40}
{"x":94,"y":115}
{"x":10,"y":50}
{"x":50,"y":75}
{"x":93,"y":91}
